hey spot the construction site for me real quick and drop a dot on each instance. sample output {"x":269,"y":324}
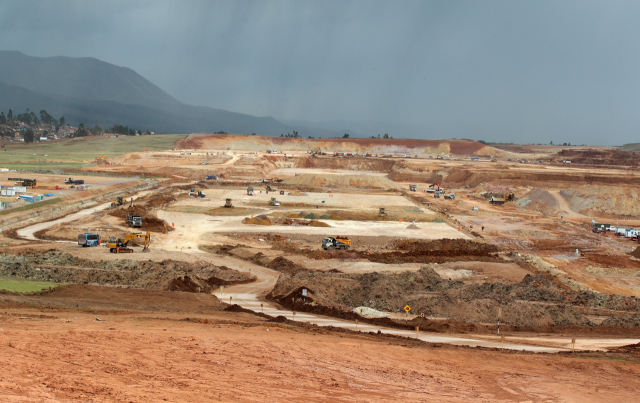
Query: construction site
{"x":368,"y":269}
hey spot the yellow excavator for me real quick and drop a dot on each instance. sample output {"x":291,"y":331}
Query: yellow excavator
{"x":120,"y":245}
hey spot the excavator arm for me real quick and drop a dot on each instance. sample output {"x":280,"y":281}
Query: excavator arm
{"x":121,"y":244}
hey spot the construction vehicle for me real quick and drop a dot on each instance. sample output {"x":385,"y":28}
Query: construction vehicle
{"x":269,"y":188}
{"x":134,"y":220}
{"x":277,"y":180}
{"x":436,"y":195}
{"x":274,"y":202}
{"x":432,"y":190}
{"x":501,"y":200}
{"x":450,"y":196}
{"x":339,"y":242}
{"x":88,"y":239}
{"x":193,"y":193}
{"x":71,"y":181}
{"x":26,"y":182}
{"x":413,"y":187}
{"x":228,"y":204}
{"x":121,"y":245}
{"x":282,"y":192}
{"x":102,"y":160}
{"x":250,"y":191}
{"x":119,"y":202}
{"x":211,"y":177}
{"x":382,"y":213}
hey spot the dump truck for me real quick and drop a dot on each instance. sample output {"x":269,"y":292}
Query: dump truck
{"x":134,"y":220}
{"x":250,"y":191}
{"x":502,"y":200}
{"x":228,"y":204}
{"x":413,"y":187}
{"x":382,"y":213}
{"x":121,"y":245}
{"x":71,"y":181}
{"x":209,"y":177}
{"x":119,"y":202}
{"x":436,"y":195}
{"x":274,"y":202}
{"x":339,"y":242}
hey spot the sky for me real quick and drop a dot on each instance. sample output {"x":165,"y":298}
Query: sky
{"x":503,"y":71}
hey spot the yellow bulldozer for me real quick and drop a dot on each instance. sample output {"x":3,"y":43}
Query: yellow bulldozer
{"x":228,"y":204}
{"x":121,"y":245}
{"x":118,"y":202}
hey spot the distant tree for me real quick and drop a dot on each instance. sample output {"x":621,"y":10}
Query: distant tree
{"x":96,"y":131}
{"x":281,"y":135}
{"x":57,"y":127}
{"x":45,"y":117}
{"x":386,"y":136}
{"x":551,"y":143}
{"x":10,"y":115}
{"x":564,"y":144}
{"x":3,"y":119}
{"x":28,"y":136}
{"x":346,"y":136}
{"x":482,"y":141}
{"x":378,"y":136}
{"x":34,"y":118}
{"x":253,"y":134}
{"x":62,"y":121}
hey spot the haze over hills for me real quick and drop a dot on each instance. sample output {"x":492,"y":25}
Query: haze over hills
{"x":90,"y":91}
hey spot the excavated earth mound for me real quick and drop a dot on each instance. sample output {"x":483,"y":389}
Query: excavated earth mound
{"x":535,"y":301}
{"x":361,"y":146}
{"x":62,"y":267}
{"x":342,"y":181}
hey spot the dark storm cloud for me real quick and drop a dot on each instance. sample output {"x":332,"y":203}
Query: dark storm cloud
{"x":501,"y":71}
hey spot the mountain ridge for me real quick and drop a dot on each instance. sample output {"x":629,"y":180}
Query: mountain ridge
{"x":88,"y":90}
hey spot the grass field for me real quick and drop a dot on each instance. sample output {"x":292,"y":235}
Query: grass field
{"x":20,"y":285}
{"x":73,"y":153}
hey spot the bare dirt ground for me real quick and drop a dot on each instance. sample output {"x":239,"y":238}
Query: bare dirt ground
{"x":62,"y":356}
{"x":462,"y":262}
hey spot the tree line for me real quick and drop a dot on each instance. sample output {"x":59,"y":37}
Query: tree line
{"x":30,"y":118}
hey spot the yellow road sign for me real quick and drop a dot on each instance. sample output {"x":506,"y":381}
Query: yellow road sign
{"x":407,"y":308}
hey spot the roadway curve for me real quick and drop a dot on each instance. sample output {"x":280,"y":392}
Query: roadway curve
{"x":251,"y":296}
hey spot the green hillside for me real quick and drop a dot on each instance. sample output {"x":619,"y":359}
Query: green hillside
{"x":73,"y":153}
{"x":630,"y":147}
